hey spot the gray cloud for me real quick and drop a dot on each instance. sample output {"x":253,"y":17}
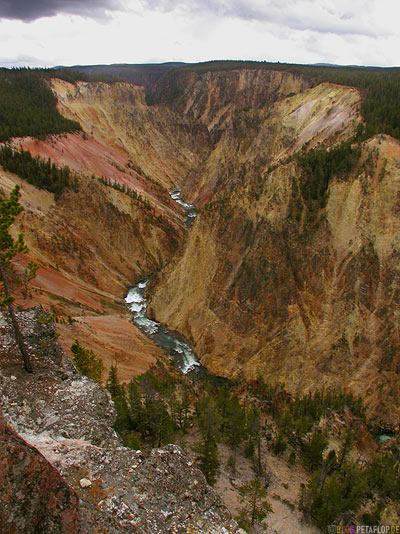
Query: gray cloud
{"x":21,"y":61}
{"x":29,"y":10}
{"x":314,"y":15}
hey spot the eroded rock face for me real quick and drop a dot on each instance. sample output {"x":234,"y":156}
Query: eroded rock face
{"x":34,"y":496}
{"x":260,"y":290}
{"x":64,"y":422}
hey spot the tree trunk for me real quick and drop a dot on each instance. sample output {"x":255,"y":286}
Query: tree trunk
{"x":18,"y":336}
{"x":253,"y":510}
{"x":259,"y":466}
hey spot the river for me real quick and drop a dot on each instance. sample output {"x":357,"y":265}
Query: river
{"x":175,"y":346}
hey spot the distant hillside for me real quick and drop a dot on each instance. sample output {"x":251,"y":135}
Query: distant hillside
{"x":138,"y":74}
{"x":27,"y":106}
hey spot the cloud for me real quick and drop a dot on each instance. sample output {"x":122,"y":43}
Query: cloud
{"x":362,"y":32}
{"x":20,"y":61}
{"x":30,"y":10}
{"x":323,"y":16}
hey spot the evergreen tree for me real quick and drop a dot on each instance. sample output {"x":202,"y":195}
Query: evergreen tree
{"x":86,"y":361}
{"x":254,"y":433}
{"x":384,"y":477}
{"x":279,"y":445}
{"x":112,"y":383}
{"x":209,"y":423}
{"x":9,"y":210}
{"x":207,"y":457}
{"x":135,"y":403}
{"x":341,"y":493}
{"x":314,"y":449}
{"x":234,"y":427}
{"x":256,"y":507}
{"x":157,"y":425}
{"x":180,"y":410}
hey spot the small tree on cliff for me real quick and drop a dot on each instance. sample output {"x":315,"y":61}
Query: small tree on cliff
{"x":256,"y":508}
{"x":9,"y":210}
{"x":86,"y":361}
{"x":209,"y":422}
{"x":112,"y":384}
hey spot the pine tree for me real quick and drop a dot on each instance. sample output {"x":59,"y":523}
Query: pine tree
{"x":136,"y":410}
{"x":234,"y":427}
{"x":314,"y":449}
{"x":179,"y":406}
{"x":158,"y":424}
{"x":254,"y":432}
{"x":86,"y":361}
{"x":207,"y":458}
{"x":209,"y":423}
{"x":9,"y":211}
{"x":256,"y":507}
{"x":112,"y":383}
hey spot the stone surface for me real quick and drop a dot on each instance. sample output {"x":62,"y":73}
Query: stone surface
{"x":67,"y":444}
{"x":34,"y":496}
{"x":85,"y":483}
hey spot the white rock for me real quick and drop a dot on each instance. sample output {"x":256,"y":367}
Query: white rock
{"x":85,"y":483}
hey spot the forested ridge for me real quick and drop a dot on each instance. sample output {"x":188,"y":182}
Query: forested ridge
{"x":28,"y":106}
{"x":42,"y":174}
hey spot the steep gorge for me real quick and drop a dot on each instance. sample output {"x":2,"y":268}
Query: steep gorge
{"x":265,"y":283}
{"x":270,"y":285}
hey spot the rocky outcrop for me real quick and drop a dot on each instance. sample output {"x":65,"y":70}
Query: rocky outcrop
{"x":66,"y":446}
{"x":34,"y":496}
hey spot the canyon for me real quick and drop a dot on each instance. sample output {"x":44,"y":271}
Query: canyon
{"x":257,"y":288}
{"x":286,"y":278}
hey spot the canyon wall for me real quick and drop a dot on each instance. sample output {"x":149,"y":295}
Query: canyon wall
{"x":301,"y":292}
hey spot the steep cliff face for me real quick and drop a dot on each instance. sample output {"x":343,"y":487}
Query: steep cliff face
{"x":265,"y":288}
{"x":255,"y":118}
{"x":210,"y":97}
{"x":67,"y":470}
{"x":164,"y":145}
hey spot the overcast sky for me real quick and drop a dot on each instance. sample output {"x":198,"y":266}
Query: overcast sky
{"x":70,"y":32}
